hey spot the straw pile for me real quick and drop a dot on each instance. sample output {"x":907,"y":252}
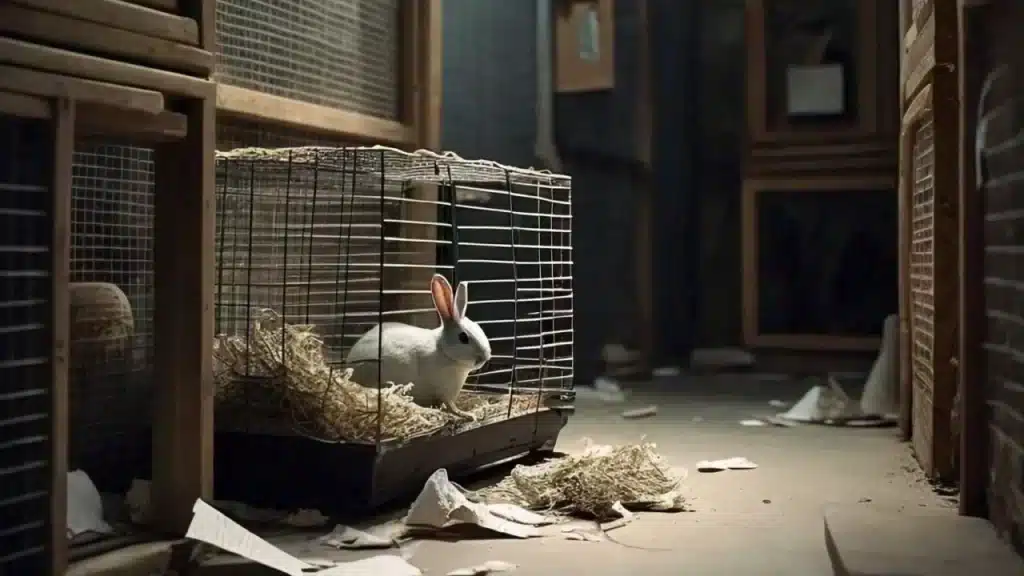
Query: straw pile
{"x":282,"y":372}
{"x":590,"y":483}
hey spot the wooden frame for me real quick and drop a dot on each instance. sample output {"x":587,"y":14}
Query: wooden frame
{"x":757,"y":70}
{"x":752,"y":336}
{"x":572,"y":73}
{"x":972,"y":374}
{"x":87,"y":84}
{"x":930,"y":87}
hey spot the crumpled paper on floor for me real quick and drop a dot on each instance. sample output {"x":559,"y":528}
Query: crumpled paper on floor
{"x":214,"y":528}
{"x":736,"y":463}
{"x":489,"y":567}
{"x":85,"y":506}
{"x":349,"y":538}
{"x":442,"y":503}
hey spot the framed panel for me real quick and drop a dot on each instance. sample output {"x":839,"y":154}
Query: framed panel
{"x":783,"y":218}
{"x":584,"y":45}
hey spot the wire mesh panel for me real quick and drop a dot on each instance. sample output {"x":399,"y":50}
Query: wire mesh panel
{"x":337,"y":53}
{"x":922,"y":287}
{"x":25,"y":375}
{"x":111,"y":324}
{"x":321,"y":250}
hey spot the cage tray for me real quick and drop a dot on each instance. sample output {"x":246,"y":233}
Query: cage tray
{"x":294,"y":472}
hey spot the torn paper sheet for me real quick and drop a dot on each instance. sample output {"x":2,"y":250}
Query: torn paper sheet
{"x":582,"y":533}
{"x":85,"y":506}
{"x":752,"y":423}
{"x":349,"y":538}
{"x":625,"y":517}
{"x":636,"y":413}
{"x":490,"y":567}
{"x":604,"y":390}
{"x":778,"y":404}
{"x":214,"y":528}
{"x":737,"y":463}
{"x":441,"y":503}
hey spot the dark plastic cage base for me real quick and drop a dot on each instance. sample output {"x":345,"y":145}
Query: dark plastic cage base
{"x":343,"y":479}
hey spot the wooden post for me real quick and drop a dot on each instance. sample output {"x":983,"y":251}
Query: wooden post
{"x":183,"y":316}
{"x":974,"y":442}
{"x":63,"y":119}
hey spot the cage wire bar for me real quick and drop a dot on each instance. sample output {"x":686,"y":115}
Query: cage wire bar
{"x":25,"y":345}
{"x":317,"y":245}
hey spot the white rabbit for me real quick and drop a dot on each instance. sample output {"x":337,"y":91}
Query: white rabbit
{"x":437,"y":362}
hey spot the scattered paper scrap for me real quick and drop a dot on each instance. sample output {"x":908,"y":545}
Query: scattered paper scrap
{"x":604,"y":389}
{"x":665,"y":371}
{"x":211,"y":526}
{"x":625,"y":518}
{"x":347,"y":537}
{"x":752,"y":422}
{"x":85,"y":506}
{"x":441,"y":503}
{"x":736,"y":463}
{"x":778,"y":404}
{"x":645,"y":412}
{"x":489,"y":567}
{"x":582,"y":534}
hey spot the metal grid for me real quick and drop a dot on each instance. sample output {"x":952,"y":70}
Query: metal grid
{"x":333,"y":236}
{"x":110,"y":409}
{"x":25,"y":288}
{"x":922,"y":286}
{"x":338,"y":53}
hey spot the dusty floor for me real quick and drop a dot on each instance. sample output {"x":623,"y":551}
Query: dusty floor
{"x":764,"y":521}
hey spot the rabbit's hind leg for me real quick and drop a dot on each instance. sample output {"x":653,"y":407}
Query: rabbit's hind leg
{"x":450,"y":405}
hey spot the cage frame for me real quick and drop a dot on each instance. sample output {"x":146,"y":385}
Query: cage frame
{"x":346,"y":478}
{"x":77,"y":66}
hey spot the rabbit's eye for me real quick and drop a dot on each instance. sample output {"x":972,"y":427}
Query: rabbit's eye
{"x":463,"y":337}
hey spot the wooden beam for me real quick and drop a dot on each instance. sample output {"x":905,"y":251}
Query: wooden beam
{"x":95,"y":120}
{"x":63,"y":149}
{"x":251,"y":104}
{"x":24,"y":106}
{"x":79,"y":65}
{"x":920,"y":60}
{"x":163,"y":5}
{"x":971,"y":376}
{"x":124,"y":15}
{"x":26,"y":81}
{"x":814,"y":342}
{"x":183,"y":342}
{"x":102,"y":39}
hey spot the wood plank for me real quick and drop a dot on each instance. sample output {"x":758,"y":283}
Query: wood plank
{"x":920,"y":60}
{"x":974,"y":441}
{"x":95,"y":120}
{"x":254,"y":105}
{"x":162,"y":5}
{"x":184,"y":284}
{"x":72,"y":63}
{"x":946,"y":117}
{"x":102,"y":39}
{"x":124,"y":15}
{"x":63,"y":149}
{"x":24,"y":106}
{"x":57,"y":86}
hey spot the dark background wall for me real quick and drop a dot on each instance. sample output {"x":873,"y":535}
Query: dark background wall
{"x":489,"y":112}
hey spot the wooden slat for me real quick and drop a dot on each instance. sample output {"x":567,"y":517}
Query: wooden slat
{"x":136,"y":127}
{"x":14,"y":79}
{"x":72,"y":63}
{"x":163,"y":5}
{"x":123,"y":15}
{"x":24,"y":106}
{"x":105,"y":40}
{"x":920,"y":60}
{"x":63,"y":149}
{"x":251,"y":104}
{"x":184,"y":283}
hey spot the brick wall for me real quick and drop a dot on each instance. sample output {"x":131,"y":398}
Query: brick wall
{"x":1000,"y":141}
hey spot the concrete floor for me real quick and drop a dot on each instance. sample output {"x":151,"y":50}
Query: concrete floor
{"x":764,"y":521}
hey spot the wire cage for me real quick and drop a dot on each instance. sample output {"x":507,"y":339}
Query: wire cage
{"x":25,"y":346}
{"x":318,"y":248}
{"x":111,"y":313}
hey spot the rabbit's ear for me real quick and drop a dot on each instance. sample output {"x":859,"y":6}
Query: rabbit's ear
{"x":441,"y":292}
{"x":461,"y":299}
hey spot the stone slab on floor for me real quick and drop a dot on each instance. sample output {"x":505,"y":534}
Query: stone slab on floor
{"x":863,"y":541}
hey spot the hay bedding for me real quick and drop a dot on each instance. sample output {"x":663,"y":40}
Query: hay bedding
{"x":282,"y":372}
{"x":592,"y":482}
